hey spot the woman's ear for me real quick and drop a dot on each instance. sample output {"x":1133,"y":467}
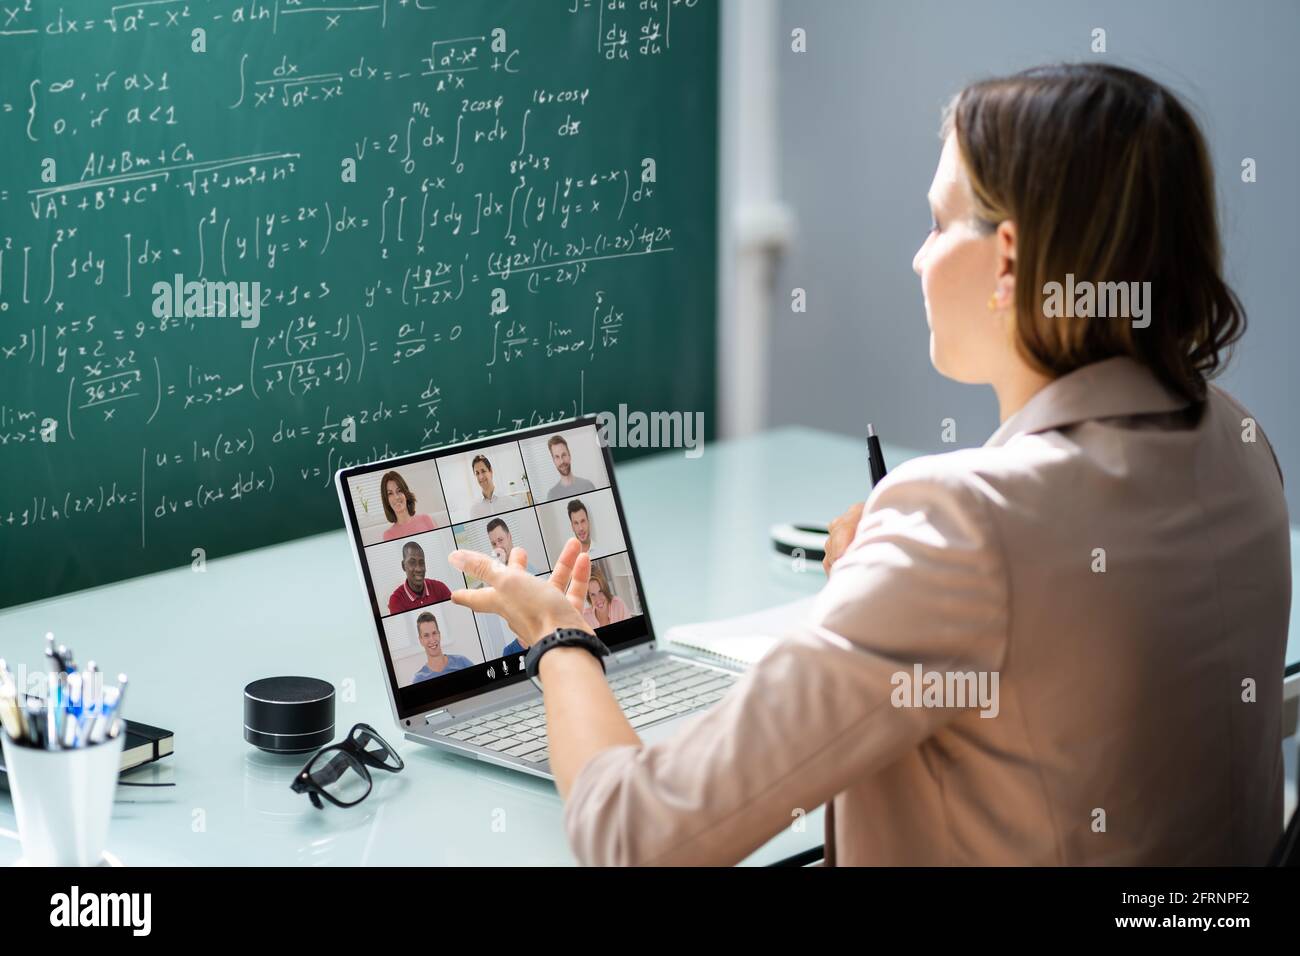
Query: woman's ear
{"x":1005,"y":288}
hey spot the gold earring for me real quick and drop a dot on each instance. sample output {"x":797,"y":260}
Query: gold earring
{"x":993,"y":302}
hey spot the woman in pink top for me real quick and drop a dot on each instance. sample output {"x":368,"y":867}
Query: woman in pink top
{"x":1115,"y":689}
{"x":399,"y":508}
{"x":602,"y":609}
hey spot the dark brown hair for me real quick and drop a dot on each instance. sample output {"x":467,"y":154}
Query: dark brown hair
{"x":402,"y":487}
{"x":1107,"y":177}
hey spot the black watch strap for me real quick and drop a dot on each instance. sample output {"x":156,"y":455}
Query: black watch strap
{"x":564,"y":637}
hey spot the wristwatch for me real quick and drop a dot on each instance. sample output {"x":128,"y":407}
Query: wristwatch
{"x":564,"y":637}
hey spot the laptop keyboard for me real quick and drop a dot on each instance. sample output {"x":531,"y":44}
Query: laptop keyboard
{"x":658,"y":690}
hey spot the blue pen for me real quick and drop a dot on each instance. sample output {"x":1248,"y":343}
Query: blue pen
{"x":72,"y":717}
{"x":91,"y":693}
{"x":54,"y":697}
{"x":97,"y":704}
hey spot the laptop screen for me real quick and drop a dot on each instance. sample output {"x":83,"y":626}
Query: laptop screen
{"x":532,"y":489}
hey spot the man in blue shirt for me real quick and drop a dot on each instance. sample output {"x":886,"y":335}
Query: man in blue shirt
{"x":437,"y":663}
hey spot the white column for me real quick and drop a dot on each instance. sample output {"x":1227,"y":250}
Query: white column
{"x":754,"y":227}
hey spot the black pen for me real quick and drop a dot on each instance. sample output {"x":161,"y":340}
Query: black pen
{"x":875,"y":456}
{"x":809,"y":540}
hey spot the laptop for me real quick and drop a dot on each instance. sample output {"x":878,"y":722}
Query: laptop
{"x":455,"y":677}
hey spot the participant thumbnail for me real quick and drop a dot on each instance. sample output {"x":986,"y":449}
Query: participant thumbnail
{"x":479,"y":484}
{"x":565,"y":464}
{"x":432,"y":642}
{"x":498,"y":640}
{"x":499,"y":535}
{"x":392,"y":504}
{"x":611,"y":592}
{"x":413,"y":572}
{"x":591,"y":518}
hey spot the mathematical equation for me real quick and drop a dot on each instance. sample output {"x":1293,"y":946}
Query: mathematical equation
{"x":246,"y":242}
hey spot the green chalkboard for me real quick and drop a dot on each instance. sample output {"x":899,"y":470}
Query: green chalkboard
{"x":243,"y":244}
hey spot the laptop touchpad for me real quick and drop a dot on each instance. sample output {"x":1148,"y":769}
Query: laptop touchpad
{"x":652,"y":735}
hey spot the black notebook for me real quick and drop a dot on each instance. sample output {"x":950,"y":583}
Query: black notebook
{"x":144,"y":744}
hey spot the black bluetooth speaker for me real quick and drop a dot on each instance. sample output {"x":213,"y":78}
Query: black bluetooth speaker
{"x":289,"y":715}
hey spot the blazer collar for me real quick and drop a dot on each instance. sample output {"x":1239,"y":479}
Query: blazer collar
{"x":1112,"y":387}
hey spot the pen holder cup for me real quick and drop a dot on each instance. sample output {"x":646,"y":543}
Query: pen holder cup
{"x":63,"y":800}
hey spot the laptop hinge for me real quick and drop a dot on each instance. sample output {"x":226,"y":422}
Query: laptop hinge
{"x":631,"y":653}
{"x":437,"y":717}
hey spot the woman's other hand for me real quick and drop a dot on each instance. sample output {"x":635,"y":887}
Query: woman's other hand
{"x":843,"y":530}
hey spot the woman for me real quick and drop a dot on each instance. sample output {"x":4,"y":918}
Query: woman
{"x":1064,"y":647}
{"x":603,"y":608}
{"x":399,"y":508}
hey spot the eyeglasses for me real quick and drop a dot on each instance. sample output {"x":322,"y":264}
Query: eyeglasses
{"x":339,"y":772}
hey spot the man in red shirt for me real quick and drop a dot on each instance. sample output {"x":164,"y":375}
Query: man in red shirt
{"x":416,"y":590}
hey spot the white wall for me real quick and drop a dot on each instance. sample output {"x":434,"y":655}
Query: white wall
{"x":844,"y":137}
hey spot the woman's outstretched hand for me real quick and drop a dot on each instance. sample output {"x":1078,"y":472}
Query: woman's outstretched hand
{"x":843,"y":530}
{"x":532,"y":607}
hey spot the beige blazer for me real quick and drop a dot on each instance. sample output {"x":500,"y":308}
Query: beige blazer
{"x":1103,"y":590}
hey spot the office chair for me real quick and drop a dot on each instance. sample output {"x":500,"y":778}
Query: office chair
{"x":1287,"y":851}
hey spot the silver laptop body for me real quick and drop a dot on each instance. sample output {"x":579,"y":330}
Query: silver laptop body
{"x":507,"y":726}
{"x":504,"y":723}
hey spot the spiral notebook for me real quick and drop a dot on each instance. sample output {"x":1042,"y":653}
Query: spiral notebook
{"x":741,"y":640}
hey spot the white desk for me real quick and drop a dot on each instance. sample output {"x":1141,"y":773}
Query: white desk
{"x":190,"y":643}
